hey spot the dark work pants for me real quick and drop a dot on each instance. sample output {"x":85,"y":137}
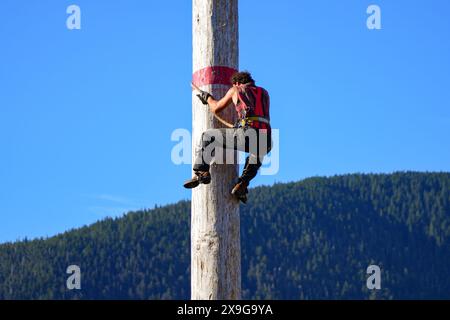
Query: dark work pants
{"x":256,"y":142}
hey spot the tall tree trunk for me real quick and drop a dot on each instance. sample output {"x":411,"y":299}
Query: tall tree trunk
{"x":215,"y":224}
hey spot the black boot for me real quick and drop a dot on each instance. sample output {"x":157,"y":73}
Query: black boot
{"x":240,"y":191}
{"x":203,"y":177}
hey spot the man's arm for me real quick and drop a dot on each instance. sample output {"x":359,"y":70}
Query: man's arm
{"x":217,"y":106}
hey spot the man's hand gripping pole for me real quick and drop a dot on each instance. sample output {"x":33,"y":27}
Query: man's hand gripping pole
{"x":203,"y":96}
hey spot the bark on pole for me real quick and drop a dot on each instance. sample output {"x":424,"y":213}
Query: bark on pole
{"x":215,"y":223}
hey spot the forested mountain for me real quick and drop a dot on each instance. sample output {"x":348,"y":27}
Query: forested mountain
{"x":312,"y":239}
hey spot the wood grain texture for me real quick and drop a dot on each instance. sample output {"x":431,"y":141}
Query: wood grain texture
{"x":215,"y":223}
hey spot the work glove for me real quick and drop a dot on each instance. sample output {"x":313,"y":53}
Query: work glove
{"x":203,"y":96}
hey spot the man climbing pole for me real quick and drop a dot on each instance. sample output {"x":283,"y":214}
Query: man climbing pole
{"x":251,"y":134}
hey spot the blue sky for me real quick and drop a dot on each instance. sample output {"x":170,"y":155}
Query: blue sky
{"x":86,"y":115}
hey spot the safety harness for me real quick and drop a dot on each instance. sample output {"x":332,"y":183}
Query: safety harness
{"x":253,"y":107}
{"x":246,"y":122}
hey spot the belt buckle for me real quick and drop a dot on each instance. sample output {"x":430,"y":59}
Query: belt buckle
{"x":243,"y":123}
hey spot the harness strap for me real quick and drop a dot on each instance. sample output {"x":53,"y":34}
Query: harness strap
{"x":246,"y":121}
{"x":259,"y":119}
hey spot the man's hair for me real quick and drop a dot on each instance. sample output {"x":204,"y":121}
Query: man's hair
{"x":242,"y":77}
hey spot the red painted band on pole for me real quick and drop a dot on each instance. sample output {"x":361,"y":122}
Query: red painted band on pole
{"x":213,"y":75}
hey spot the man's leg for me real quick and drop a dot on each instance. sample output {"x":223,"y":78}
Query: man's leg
{"x":210,"y":140}
{"x":257,"y":144}
{"x":251,"y":167}
{"x":254,"y":161}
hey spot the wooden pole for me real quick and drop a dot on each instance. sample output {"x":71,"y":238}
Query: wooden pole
{"x":215,"y":224}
